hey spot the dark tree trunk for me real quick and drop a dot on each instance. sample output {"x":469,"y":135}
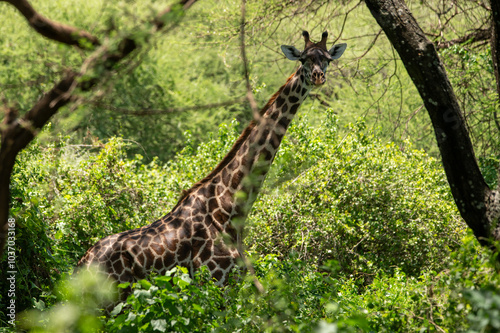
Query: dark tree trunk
{"x":495,"y":49}
{"x":495,"y":40}
{"x":479,"y":206}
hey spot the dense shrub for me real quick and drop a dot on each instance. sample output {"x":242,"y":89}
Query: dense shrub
{"x":171,"y":303}
{"x":35,"y":263}
{"x":383,"y":215}
{"x":359,"y":201}
{"x":297,"y":298}
{"x":79,"y":298}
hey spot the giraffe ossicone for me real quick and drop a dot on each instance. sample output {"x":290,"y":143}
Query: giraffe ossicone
{"x":194,"y":233}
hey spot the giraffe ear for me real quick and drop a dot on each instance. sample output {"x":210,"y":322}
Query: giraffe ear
{"x":291,"y":52}
{"x":337,"y":50}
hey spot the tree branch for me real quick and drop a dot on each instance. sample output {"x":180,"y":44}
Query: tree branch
{"x":474,"y":37}
{"x":470,"y":191}
{"x":17,"y":133}
{"x":150,"y":112}
{"x":256,"y":115}
{"x":57,"y":31}
{"x":180,"y":8}
{"x":246,"y":74}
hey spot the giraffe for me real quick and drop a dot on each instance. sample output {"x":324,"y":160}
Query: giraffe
{"x":206,"y":224}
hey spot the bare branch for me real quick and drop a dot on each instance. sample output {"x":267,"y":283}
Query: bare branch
{"x":150,"y":112}
{"x":256,"y":116}
{"x":368,"y":49}
{"x":250,"y":97}
{"x":53,"y":30}
{"x":474,"y":37}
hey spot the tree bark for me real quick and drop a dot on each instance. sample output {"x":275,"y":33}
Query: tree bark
{"x":17,"y":133}
{"x":495,"y":57}
{"x":479,"y":206}
{"x":53,"y":30}
{"x":495,"y":40}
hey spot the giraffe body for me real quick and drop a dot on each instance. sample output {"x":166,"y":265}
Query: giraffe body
{"x":207,"y":222}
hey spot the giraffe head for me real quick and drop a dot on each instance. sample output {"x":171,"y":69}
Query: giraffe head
{"x":315,"y":58}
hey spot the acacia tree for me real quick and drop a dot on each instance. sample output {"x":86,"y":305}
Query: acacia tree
{"x":478,"y":204}
{"x":20,"y":127}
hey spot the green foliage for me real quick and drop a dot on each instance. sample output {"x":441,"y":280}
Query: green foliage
{"x":485,"y":314}
{"x":80,"y":298}
{"x":471,"y":73}
{"x":35,"y":263}
{"x":489,"y":169}
{"x":86,"y":196}
{"x":326,"y":192}
{"x":433,"y":301}
{"x":297,"y":298}
{"x":351,"y":233}
{"x":366,"y":204}
{"x":294,"y":301}
{"x":171,"y":303}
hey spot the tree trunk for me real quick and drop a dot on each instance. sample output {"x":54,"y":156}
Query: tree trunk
{"x":479,"y":206}
{"x":495,"y":57}
{"x":495,"y":40}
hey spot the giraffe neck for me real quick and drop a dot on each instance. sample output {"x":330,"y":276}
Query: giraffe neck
{"x":236,"y":181}
{"x":190,"y":235}
{"x":257,"y":153}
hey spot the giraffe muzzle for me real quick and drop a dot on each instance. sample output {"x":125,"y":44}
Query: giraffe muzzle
{"x":318,"y":78}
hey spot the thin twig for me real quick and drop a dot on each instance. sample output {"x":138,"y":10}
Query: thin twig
{"x":473,"y":37}
{"x":256,"y":116}
{"x":250,"y":97}
{"x":149,"y":112}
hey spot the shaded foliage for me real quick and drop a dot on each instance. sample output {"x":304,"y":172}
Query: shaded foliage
{"x":305,"y":290}
{"x":363,"y":203}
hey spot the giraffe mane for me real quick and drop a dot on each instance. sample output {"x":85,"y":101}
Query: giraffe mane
{"x":234,"y":149}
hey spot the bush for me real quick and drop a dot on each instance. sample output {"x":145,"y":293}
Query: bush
{"x":80,"y":298}
{"x":485,"y":314}
{"x":384,"y":216}
{"x":171,"y":303}
{"x":35,"y":263}
{"x":67,"y":197}
{"x":297,"y":298}
{"x":356,"y":200}
{"x":435,"y":301}
{"x":294,"y":301}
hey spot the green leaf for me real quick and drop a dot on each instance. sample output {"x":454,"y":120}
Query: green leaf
{"x":198,"y":308}
{"x":145,"y":284}
{"x":117,"y":309}
{"x":123,"y":285}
